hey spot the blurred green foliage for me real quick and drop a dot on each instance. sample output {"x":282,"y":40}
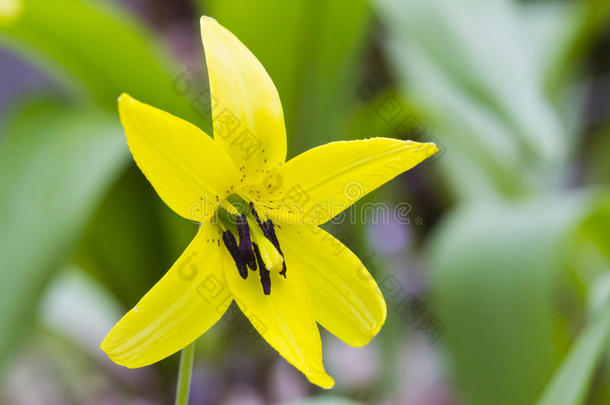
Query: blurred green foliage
{"x":517,"y":261}
{"x":489,"y":93}
{"x":52,"y":195}
{"x":98,"y":51}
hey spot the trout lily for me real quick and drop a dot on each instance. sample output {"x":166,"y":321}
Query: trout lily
{"x":258,"y":242}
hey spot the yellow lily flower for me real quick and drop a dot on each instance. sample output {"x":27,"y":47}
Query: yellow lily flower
{"x":256,"y":211}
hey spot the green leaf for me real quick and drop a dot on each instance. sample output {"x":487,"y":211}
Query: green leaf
{"x":598,"y":152}
{"x":503,"y":283}
{"x":547,"y":25}
{"x":476,"y":78}
{"x":495,"y":271}
{"x":595,"y":225}
{"x":582,"y":29}
{"x":571,"y":382}
{"x":100,"y":46}
{"x":55,"y":165}
{"x":562,"y":35}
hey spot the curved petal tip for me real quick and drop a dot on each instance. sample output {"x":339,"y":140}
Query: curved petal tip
{"x":205,"y":18}
{"x":323,"y":381}
{"x":124,"y":97}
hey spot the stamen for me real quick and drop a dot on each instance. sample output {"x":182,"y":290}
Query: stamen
{"x":255,"y":214}
{"x":231,"y":244}
{"x":258,"y":247}
{"x":245,"y":243}
{"x":264,"y":273}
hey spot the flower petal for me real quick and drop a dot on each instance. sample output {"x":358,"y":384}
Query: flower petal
{"x":184,"y":165}
{"x":184,"y":304}
{"x":345,"y":297}
{"x":284,"y":318}
{"x":319,"y":184}
{"x":247,"y":113}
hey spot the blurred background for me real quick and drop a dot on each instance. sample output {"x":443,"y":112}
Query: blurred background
{"x":494,"y":257}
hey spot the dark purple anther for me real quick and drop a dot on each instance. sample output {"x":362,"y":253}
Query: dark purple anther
{"x":265,"y":277}
{"x":231,"y":244}
{"x":245,"y":244}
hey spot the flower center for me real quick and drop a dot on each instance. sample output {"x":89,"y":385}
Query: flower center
{"x":258,"y":246}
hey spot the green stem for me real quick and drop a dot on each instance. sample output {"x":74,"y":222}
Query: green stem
{"x":184,"y":374}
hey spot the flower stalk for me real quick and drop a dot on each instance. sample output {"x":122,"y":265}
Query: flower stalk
{"x":187,"y":357}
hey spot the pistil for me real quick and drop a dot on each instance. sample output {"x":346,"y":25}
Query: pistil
{"x":269,"y":231}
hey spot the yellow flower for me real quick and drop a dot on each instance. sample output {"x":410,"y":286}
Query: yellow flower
{"x":256,"y":211}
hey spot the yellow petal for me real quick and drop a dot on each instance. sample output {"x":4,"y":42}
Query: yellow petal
{"x":184,"y":165}
{"x":319,"y":184}
{"x":284,"y":318}
{"x":10,"y":10}
{"x":184,"y":304}
{"x":247,"y":114}
{"x":346,"y":299}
